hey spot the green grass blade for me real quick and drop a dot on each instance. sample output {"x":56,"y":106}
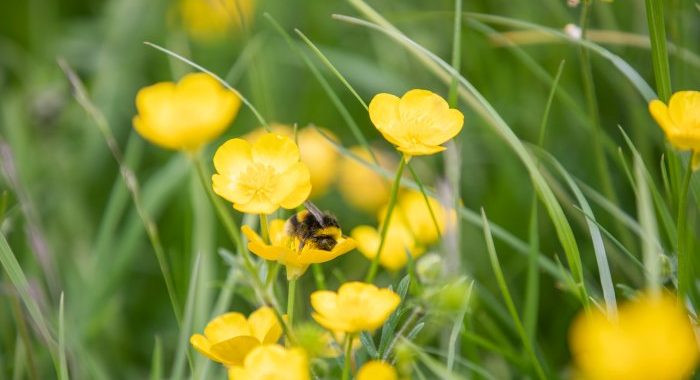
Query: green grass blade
{"x":19,"y":281}
{"x":647,"y":221}
{"x":331,"y":67}
{"x":183,"y":346}
{"x":157,"y":361}
{"x":456,"y":53}
{"x":659,"y":51}
{"x":62,"y":362}
{"x":500,"y":279}
{"x":596,"y":236}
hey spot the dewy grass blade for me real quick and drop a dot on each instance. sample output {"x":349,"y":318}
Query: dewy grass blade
{"x":500,"y":279}
{"x":245,"y":101}
{"x":474,"y":98}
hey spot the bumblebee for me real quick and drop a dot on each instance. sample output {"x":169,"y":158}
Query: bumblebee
{"x":314,"y":228}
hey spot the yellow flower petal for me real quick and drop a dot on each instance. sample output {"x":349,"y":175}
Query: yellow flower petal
{"x":384,"y":113}
{"x":233,"y":157}
{"x":226,"y":326}
{"x":233,"y":351}
{"x":265,"y":326}
{"x":680,"y":120}
{"x":298,"y":179}
{"x":203,"y":345}
{"x":377,"y":370}
{"x":272,"y":362}
{"x":652,"y":339}
{"x":355,"y":307}
{"x":275,"y":150}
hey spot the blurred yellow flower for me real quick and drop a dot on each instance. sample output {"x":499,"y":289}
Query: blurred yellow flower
{"x":228,"y":338}
{"x":355,"y":307}
{"x":212,"y":19}
{"x":359,"y":185}
{"x":261,"y":177}
{"x":415,"y":214}
{"x":185,"y":115}
{"x":316,"y":152}
{"x":284,"y":248}
{"x":272,"y":362}
{"x":377,"y":370}
{"x":398,"y":244}
{"x":652,"y":339}
{"x":417,"y":123}
{"x":680,"y":120}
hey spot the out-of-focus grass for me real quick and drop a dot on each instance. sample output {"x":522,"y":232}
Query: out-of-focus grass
{"x":72,"y":229}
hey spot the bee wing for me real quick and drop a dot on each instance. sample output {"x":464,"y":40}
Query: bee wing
{"x":318,"y":214}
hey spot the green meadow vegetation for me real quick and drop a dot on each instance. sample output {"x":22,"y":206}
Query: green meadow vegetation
{"x":561,"y":201}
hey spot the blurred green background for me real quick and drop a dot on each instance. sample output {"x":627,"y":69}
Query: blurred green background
{"x":74,"y":229}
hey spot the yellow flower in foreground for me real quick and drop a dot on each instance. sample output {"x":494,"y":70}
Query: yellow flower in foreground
{"x":355,"y":307}
{"x":359,"y":185}
{"x":398,"y":244}
{"x":377,"y":370}
{"x":211,"y":19}
{"x":652,"y":339}
{"x":417,"y":123}
{"x":259,"y":178}
{"x":680,"y":120}
{"x":283,"y":248}
{"x":185,"y":115}
{"x":272,"y":362}
{"x":229,"y":337}
{"x":316,"y":152}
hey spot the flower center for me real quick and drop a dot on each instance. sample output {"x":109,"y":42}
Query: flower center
{"x":258,"y":181}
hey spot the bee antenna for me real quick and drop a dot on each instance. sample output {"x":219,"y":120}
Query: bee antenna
{"x":315,"y":211}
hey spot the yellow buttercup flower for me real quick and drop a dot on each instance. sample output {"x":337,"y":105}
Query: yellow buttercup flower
{"x":212,"y":19}
{"x":261,"y":177}
{"x":230,"y":337}
{"x":417,"y":123}
{"x":377,"y":370}
{"x":652,"y":339}
{"x":185,"y":115}
{"x":355,"y":307}
{"x":272,"y":362}
{"x":399,"y":243}
{"x":284,"y":249}
{"x":359,"y":185}
{"x":680,"y":121}
{"x":415,"y":214}
{"x":316,"y":152}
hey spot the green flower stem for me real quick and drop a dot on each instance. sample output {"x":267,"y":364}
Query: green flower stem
{"x":427,"y":201}
{"x":348,"y":356}
{"x":319,"y":277}
{"x":387,"y":219}
{"x":684,"y":262}
{"x":264,"y":228}
{"x":291,"y":295}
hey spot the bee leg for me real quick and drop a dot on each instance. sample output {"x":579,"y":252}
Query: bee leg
{"x":301,"y":246}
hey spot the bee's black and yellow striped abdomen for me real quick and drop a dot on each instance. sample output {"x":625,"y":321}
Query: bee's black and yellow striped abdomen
{"x":311,"y":232}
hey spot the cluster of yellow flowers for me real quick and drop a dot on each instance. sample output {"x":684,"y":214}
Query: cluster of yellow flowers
{"x":651,"y":338}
